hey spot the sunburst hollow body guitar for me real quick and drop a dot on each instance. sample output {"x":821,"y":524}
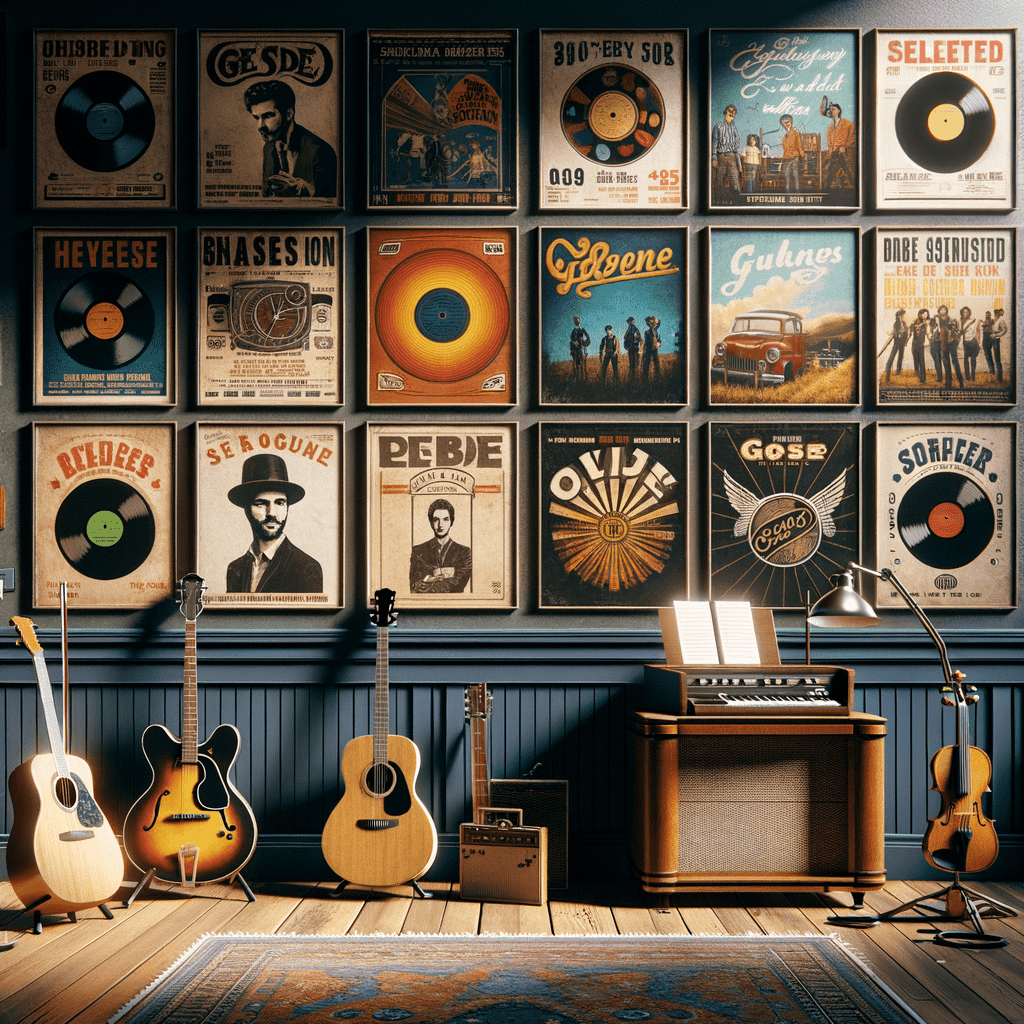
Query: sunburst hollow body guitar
{"x":380,"y":833}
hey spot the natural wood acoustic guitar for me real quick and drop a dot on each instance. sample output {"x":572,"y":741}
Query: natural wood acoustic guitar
{"x":380,"y":833}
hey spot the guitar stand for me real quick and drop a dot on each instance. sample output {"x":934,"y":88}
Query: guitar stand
{"x":417,"y":888}
{"x":961,"y":902}
{"x":147,"y":880}
{"x":37,"y":917}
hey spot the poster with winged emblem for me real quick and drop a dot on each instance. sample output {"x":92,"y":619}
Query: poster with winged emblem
{"x":784,"y":510}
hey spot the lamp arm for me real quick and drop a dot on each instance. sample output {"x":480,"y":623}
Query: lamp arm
{"x":889,"y":576}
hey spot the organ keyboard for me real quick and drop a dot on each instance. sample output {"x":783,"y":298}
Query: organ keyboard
{"x":748,"y":689}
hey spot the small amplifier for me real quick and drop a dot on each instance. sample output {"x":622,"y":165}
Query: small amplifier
{"x":544,"y":802}
{"x":503,"y":864}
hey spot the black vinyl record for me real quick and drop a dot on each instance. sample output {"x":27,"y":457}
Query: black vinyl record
{"x":104,"y":121}
{"x":944,"y":122}
{"x":946,"y":520}
{"x":104,"y":320}
{"x":105,"y":529}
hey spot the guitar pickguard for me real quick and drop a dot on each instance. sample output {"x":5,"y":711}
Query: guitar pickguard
{"x":88,"y":811}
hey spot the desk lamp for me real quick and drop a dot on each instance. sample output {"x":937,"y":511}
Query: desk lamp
{"x":843,"y":606}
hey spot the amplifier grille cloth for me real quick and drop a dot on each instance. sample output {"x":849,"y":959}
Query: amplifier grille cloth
{"x":764,"y":804}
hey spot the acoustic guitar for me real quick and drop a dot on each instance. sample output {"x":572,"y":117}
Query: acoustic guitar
{"x":380,"y":833}
{"x":62,"y":855}
{"x":191,"y":825}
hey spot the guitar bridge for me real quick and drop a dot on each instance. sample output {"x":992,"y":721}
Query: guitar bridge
{"x":188,"y":852}
{"x":189,"y":817}
{"x":376,"y":824}
{"x":76,"y":835}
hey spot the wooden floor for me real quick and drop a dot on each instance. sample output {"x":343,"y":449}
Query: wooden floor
{"x":85,"y":971}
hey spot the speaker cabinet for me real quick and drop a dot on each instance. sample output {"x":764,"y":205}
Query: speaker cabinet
{"x":757,"y":804}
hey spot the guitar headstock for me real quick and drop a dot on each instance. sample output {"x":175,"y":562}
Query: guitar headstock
{"x":383,"y":611}
{"x":190,"y":591}
{"x":962,"y":695}
{"x":27,"y":631}
{"x":477,"y":701}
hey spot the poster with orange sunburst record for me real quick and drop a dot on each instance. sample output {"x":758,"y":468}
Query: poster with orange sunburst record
{"x":613,"y":500}
{"x":441,"y":305}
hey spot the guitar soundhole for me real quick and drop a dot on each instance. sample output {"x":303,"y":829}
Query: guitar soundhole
{"x":379,"y":779}
{"x":66,"y":792}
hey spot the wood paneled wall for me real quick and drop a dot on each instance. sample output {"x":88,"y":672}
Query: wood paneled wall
{"x":559,"y":707}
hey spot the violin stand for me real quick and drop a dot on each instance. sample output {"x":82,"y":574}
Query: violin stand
{"x":961,"y":903}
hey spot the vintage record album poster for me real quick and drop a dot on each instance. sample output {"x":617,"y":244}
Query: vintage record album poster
{"x":442,"y":316}
{"x":441,"y":528}
{"x":946,"y":514}
{"x":442,"y":120}
{"x":613,"y":119}
{"x":945,"y":119}
{"x":785,"y":119}
{"x":270,"y":114}
{"x":785,"y":509}
{"x":613,"y":316}
{"x":783,"y":316}
{"x":105,"y":119}
{"x":104,"y":316}
{"x":268,"y":514}
{"x":270,"y":316}
{"x":944,"y":316}
{"x":612,"y":515}
{"x":103,"y":514}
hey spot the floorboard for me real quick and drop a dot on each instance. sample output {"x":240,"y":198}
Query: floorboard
{"x":84,"y":972}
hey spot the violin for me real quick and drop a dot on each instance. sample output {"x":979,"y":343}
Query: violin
{"x":960,"y":838}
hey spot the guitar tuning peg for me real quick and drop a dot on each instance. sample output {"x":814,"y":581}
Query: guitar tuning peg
{"x":970,"y":689}
{"x":947,"y":702}
{"x":973,"y":699}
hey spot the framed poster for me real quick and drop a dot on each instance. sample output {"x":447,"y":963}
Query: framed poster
{"x":105,"y":305}
{"x":441,"y":529}
{"x":268,"y":514}
{"x":783,"y":320}
{"x":785,"y":119}
{"x":945,"y":119}
{"x":612,"y":515}
{"x":613,"y":120}
{"x":103,"y":514}
{"x":270,"y":114}
{"x":784,"y":509}
{"x":946,"y":514}
{"x":442,"y":120}
{"x":613,"y":316}
{"x":442,"y":316}
{"x":270,"y":316}
{"x":105,"y":119}
{"x":944,"y":316}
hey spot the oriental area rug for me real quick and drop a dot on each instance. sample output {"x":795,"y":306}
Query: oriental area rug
{"x":258,"y":979}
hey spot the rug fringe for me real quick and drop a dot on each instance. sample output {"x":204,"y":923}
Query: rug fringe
{"x":153,"y":984}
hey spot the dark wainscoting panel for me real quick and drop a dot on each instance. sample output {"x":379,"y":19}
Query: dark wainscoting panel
{"x":559,"y":705}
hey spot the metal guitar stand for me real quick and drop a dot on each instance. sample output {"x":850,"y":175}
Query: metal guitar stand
{"x":147,"y":879}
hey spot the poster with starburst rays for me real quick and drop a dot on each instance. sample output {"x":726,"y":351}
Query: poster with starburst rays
{"x":613,"y":497}
{"x":784,"y":509}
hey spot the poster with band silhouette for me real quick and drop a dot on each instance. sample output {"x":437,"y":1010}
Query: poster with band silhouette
{"x":270,"y":116}
{"x":945,"y":323}
{"x":105,"y":119}
{"x":269,"y":529}
{"x":784,"y":120}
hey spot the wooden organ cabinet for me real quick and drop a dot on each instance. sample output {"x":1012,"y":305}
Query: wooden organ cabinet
{"x":742,"y":797}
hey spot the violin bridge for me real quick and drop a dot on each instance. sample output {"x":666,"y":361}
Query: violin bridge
{"x":188,"y":852}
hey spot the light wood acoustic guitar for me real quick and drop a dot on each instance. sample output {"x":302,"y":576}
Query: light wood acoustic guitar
{"x":191,"y":825}
{"x":62,"y":855}
{"x":380,"y":833}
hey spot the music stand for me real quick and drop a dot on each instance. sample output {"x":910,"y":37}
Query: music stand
{"x":843,"y":606}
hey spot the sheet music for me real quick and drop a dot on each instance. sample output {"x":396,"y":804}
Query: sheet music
{"x":696,"y":633}
{"x":734,"y":624}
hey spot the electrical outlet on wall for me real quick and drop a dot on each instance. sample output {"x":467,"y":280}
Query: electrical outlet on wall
{"x":7,"y":575}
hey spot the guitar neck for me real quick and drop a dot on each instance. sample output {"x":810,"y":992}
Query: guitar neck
{"x":50,"y":714}
{"x":190,"y":699}
{"x":481,"y":776}
{"x":380,"y":699}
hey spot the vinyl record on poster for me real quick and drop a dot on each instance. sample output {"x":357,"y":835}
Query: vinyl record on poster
{"x":104,"y":121}
{"x":442,"y":315}
{"x":944,"y":122}
{"x":946,"y":520}
{"x":105,"y":529}
{"x":104,"y":320}
{"x":613,"y":114}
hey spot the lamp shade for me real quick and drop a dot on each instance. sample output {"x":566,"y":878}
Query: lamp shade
{"x":843,"y":606}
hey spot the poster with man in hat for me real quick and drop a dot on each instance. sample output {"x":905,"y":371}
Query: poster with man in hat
{"x":269,"y":533}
